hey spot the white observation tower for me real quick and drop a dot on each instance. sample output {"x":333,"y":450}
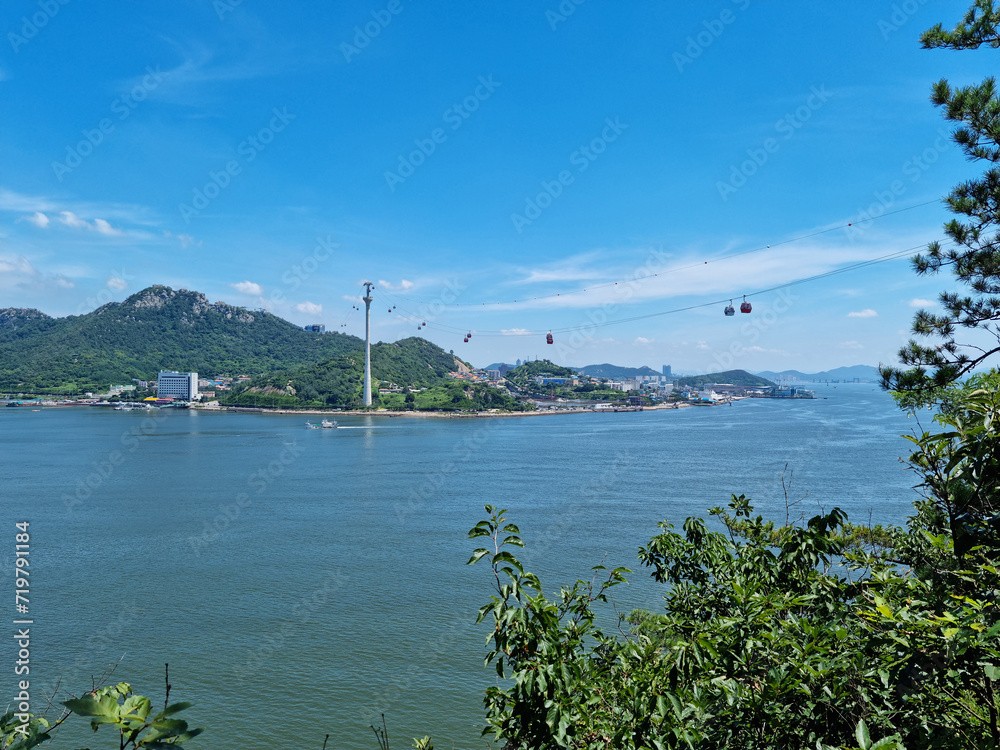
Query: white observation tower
{"x":368,"y":342}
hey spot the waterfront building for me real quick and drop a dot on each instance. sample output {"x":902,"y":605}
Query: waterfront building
{"x":181,"y":385}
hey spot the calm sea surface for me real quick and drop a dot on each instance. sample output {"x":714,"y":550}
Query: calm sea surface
{"x":301,"y":582}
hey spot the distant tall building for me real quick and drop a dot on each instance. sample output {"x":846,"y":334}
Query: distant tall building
{"x":182,"y":385}
{"x":666,"y":371}
{"x":518,"y":364}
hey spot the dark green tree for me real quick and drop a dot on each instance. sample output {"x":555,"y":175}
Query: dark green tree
{"x":972,"y":248}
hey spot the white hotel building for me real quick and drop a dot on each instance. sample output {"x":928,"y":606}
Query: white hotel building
{"x":179,"y":385}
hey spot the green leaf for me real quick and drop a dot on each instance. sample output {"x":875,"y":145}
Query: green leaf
{"x":477,"y":555}
{"x":864,"y":740}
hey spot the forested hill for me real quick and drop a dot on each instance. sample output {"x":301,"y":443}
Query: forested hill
{"x":732,"y":377}
{"x":156,"y":329}
{"x":339,"y":381}
{"x":526,"y":373}
{"x":615,"y":371}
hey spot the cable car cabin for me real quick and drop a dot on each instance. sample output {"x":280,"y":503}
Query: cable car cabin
{"x":745,"y":307}
{"x":548,"y":338}
{"x":468,"y":335}
{"x":730,"y":310}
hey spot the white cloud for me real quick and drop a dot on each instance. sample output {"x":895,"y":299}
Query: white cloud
{"x":17,"y":273}
{"x":116,"y":282}
{"x":866,"y":313}
{"x":11,"y":201}
{"x":186,"y":240}
{"x":73,"y":221}
{"x":515,"y":332}
{"x":850,"y":345}
{"x":642,"y":341}
{"x":248,"y":287}
{"x":103,"y":227}
{"x":922,"y":302}
{"x":309,"y":308}
{"x":403,"y":286}
{"x":16,"y":264}
{"x":39,"y":219}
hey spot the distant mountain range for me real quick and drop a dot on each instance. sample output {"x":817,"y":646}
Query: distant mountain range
{"x":864,"y":373}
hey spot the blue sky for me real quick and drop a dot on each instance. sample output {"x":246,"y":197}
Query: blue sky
{"x":277,"y":155}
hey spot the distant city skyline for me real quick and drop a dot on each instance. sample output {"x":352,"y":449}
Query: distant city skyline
{"x":495,"y":170}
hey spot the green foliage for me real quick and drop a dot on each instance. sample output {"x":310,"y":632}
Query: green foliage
{"x":156,"y":329}
{"x":732,"y":377}
{"x":972,"y":252}
{"x":18,"y":735}
{"x":819,"y":635}
{"x":524,"y":376}
{"x":338,"y":382}
{"x":119,"y":707}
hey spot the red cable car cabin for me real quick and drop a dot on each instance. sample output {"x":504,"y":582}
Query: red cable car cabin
{"x":746,"y":306}
{"x":548,"y":338}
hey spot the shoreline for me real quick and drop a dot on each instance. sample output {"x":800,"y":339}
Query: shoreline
{"x":432,"y":414}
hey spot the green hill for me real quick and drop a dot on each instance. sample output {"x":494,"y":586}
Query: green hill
{"x":156,"y":329}
{"x":525,"y":374}
{"x":338,"y":382}
{"x":732,"y":377}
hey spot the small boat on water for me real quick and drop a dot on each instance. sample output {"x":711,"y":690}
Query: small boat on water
{"x":326,"y":424}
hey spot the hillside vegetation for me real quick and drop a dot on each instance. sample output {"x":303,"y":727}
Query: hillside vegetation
{"x":525,"y":374}
{"x":156,"y":329}
{"x":338,"y":382}
{"x":732,"y":377}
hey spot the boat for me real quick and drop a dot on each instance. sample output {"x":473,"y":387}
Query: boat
{"x":326,"y":424}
